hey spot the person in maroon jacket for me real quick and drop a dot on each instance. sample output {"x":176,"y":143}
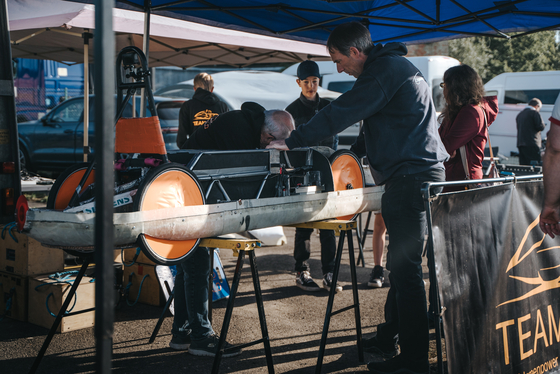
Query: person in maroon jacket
{"x":464,"y":121}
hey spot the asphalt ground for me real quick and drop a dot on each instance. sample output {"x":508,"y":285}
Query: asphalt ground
{"x":295,"y":320}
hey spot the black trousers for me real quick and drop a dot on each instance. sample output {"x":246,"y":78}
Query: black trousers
{"x":302,"y":249}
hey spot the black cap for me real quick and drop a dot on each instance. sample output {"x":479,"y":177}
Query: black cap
{"x":308,"y":69}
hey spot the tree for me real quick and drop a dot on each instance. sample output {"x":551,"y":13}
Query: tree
{"x":492,"y":56}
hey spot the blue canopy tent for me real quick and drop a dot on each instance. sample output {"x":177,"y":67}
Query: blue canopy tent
{"x":408,"y":21}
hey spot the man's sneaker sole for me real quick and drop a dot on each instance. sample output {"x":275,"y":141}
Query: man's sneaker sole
{"x":179,"y":347}
{"x":375,"y":284}
{"x":384,"y":354}
{"x":328,"y":288}
{"x":310,"y":289}
{"x":204,"y":353}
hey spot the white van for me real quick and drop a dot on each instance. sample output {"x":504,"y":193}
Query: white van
{"x":431,"y":67}
{"x":514,"y":91}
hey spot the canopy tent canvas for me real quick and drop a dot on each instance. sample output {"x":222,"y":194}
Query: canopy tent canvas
{"x":409,"y":21}
{"x":53,"y":30}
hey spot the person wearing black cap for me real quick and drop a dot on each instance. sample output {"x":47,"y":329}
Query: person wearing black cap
{"x":303,"y":109}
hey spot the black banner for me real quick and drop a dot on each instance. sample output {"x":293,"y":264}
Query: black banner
{"x":499,"y":281}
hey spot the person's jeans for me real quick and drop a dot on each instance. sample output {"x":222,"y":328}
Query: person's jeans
{"x":302,"y":249}
{"x":402,"y":207}
{"x":191,"y":295}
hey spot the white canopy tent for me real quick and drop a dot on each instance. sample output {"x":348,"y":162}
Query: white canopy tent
{"x":53,"y":30}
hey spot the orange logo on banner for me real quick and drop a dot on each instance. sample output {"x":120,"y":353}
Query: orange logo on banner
{"x":541,"y":284}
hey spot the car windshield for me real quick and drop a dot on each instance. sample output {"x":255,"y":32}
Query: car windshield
{"x":169,"y":110}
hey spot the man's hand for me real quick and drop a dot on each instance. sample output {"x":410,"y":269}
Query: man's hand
{"x":550,"y":221}
{"x":278,"y":144}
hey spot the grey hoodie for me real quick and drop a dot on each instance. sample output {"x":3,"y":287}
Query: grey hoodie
{"x":400,"y":129}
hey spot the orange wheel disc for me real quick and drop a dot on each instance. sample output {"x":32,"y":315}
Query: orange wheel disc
{"x":347,"y":174}
{"x":65,"y":185}
{"x":168,"y":186}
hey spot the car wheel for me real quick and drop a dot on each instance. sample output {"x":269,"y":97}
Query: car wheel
{"x":24,"y":164}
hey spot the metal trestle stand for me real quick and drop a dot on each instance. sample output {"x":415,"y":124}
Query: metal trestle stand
{"x":345,"y":228}
{"x":87,"y":259}
{"x":239,"y":247}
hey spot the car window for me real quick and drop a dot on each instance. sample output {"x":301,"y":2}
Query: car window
{"x":341,"y":87}
{"x":169,"y":110}
{"x":524,"y":96}
{"x":184,"y":92}
{"x":68,"y":112}
{"x":126,"y":114}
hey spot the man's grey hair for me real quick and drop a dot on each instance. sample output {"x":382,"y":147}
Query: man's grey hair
{"x":278,"y":122}
{"x":351,"y":34}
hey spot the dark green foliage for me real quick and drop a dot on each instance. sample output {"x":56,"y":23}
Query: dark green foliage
{"x":493,"y":56}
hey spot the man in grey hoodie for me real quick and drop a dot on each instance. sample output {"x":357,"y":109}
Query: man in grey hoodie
{"x":404,"y":150}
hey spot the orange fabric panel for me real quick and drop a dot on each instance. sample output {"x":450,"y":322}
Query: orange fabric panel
{"x":139,"y":135}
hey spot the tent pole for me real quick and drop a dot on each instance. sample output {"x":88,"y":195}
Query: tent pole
{"x":146,"y":50}
{"x":86,"y":35}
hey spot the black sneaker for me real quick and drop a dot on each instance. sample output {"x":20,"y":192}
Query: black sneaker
{"x":181,"y":342}
{"x":385,"y":350}
{"x":327,"y":283}
{"x":376,"y":278}
{"x":399,"y":365}
{"x":305,"y":282}
{"x":209,"y":347}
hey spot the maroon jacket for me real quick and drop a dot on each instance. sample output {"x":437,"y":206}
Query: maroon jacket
{"x":468,"y":129}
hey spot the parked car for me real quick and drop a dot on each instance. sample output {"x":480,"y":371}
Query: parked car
{"x":55,"y":142}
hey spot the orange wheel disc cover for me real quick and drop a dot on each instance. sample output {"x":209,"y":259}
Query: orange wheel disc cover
{"x":347,"y":174}
{"x":171,"y":189}
{"x":68,"y":187}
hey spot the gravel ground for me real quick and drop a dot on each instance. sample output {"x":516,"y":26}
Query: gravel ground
{"x":294,"y":318}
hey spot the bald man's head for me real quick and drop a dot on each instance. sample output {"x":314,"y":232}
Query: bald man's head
{"x":278,"y":124}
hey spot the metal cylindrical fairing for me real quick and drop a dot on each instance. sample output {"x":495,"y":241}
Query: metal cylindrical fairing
{"x":61,"y":229}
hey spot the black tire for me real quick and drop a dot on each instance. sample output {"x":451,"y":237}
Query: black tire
{"x":65,"y":184}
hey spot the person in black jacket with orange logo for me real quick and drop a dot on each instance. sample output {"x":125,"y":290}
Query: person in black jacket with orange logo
{"x":303,"y":109}
{"x":203,"y":106}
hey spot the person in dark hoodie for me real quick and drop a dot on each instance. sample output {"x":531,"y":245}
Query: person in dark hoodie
{"x":303,"y":109}
{"x":252,"y":127}
{"x":203,"y":106}
{"x":464,"y":121}
{"x":404,"y":150}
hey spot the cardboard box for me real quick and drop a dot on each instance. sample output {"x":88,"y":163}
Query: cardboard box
{"x":129,"y":254}
{"x":150,"y":291}
{"x":13,"y":292}
{"x":24,"y":256}
{"x":44,"y":287}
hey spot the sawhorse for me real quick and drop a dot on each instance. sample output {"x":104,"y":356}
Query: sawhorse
{"x":239,"y":247}
{"x":87,"y":259}
{"x":343,"y":227}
